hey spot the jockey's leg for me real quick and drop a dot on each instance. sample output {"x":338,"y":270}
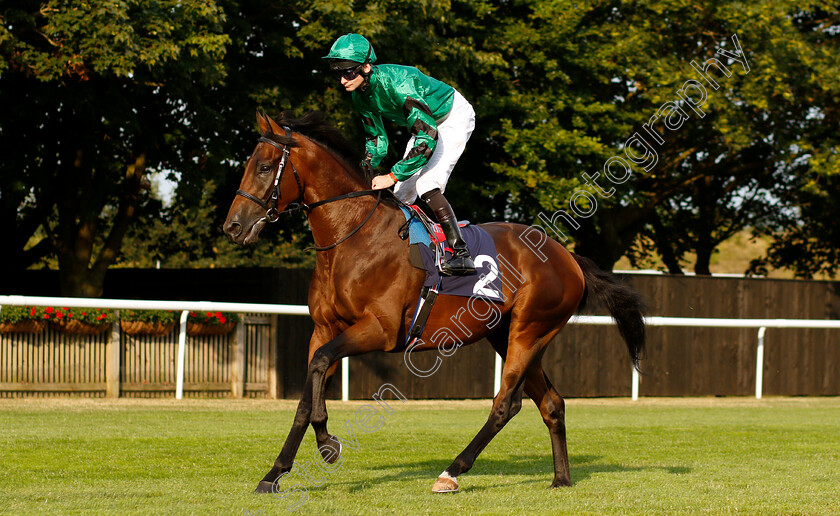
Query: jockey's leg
{"x":460,"y":263}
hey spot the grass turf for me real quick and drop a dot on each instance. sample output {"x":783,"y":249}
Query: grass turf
{"x":713,"y":455}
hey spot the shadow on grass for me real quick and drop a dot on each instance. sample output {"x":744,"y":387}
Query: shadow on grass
{"x":538,"y":469}
{"x":584,"y":466}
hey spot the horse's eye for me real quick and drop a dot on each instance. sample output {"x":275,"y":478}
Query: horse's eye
{"x":265,"y":169}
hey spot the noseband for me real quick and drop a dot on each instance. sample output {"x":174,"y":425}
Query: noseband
{"x":270,"y":207}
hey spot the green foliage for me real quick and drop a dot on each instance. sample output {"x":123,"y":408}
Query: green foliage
{"x":51,"y":313}
{"x":14,"y":313}
{"x":78,"y":39}
{"x":151,"y":316}
{"x":809,"y":246}
{"x":187,"y":236}
{"x":104,"y":92}
{"x":108,"y":92}
{"x":85,"y":315}
{"x":592,"y":75}
{"x":212,"y":318}
{"x":758,"y":141}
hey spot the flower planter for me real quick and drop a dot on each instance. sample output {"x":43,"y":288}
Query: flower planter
{"x":194,"y":328}
{"x":155,"y":329}
{"x":27,"y":326}
{"x":75,"y":327}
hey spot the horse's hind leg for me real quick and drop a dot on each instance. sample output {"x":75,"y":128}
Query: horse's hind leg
{"x":506,"y":404}
{"x":551,"y":405}
{"x":552,"y":409}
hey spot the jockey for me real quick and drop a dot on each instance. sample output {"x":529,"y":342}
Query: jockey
{"x":439,"y":118}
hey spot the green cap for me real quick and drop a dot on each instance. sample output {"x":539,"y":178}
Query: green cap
{"x":349,"y":51}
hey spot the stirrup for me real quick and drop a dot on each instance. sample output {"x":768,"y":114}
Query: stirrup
{"x":458,"y":265}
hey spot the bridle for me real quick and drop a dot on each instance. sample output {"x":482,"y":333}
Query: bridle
{"x":270,"y":207}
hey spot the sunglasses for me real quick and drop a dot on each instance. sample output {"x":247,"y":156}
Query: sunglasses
{"x":351,"y":73}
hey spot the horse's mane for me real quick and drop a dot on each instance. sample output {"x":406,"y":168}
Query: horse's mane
{"x":314,"y":125}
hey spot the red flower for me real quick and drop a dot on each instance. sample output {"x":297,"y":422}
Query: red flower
{"x":209,"y":315}
{"x":59,"y":315}
{"x":49,"y":309}
{"x":222,"y":318}
{"x":32,"y":312}
{"x":46,"y":316}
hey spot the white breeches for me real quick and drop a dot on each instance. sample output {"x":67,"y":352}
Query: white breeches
{"x":453,"y":133}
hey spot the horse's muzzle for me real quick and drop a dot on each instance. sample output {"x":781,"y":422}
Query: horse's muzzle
{"x":232,"y":229}
{"x":239,"y":234}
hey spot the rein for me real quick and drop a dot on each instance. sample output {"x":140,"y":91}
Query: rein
{"x":348,"y":196}
{"x":270,"y":207}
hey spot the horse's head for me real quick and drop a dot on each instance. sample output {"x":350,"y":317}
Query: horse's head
{"x":266,"y":188}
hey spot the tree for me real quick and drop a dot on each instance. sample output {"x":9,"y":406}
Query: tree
{"x":180,"y":237}
{"x":804,"y":229}
{"x":274,"y":63}
{"x":759,"y":161}
{"x":108,"y":93}
{"x":585,"y":78}
{"x":104,"y":92}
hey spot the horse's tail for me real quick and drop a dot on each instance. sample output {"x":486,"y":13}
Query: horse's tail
{"x":624,"y":304}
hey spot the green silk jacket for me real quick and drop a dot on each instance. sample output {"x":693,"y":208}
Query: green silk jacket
{"x":409,"y":98}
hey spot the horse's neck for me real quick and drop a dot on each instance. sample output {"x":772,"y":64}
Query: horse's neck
{"x":333,"y":221}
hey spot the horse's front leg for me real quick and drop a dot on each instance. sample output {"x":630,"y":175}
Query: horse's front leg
{"x":366,"y":335}
{"x":328,"y":444}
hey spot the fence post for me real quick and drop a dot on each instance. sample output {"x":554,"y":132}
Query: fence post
{"x":345,"y":379}
{"x":759,"y":363}
{"x":237,"y":373}
{"x":182,"y":352}
{"x":497,"y":374}
{"x":112,"y":360}
{"x":273,"y":361}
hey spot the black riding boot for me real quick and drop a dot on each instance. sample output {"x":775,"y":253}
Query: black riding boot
{"x":460,"y":263}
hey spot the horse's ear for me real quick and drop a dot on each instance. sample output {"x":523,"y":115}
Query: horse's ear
{"x":267,"y":125}
{"x":274,"y":127}
{"x":263,"y":121}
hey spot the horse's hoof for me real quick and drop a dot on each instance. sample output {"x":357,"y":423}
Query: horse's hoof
{"x":264,"y":487}
{"x":330,"y":453}
{"x":445,"y":485}
{"x":560,"y":483}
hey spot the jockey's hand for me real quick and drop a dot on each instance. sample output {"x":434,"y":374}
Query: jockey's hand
{"x":382,"y":182}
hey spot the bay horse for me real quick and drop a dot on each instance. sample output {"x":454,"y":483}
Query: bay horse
{"x":364,"y":288}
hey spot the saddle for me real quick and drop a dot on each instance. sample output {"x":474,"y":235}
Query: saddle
{"x":427,"y":231}
{"x":428,"y":252}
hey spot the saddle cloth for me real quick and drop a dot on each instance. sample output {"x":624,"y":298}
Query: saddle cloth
{"x":485,"y":284}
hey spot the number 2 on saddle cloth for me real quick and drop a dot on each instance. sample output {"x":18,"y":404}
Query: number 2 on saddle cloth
{"x":425,"y":235}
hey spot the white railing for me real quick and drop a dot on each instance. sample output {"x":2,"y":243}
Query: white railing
{"x":186,"y":306}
